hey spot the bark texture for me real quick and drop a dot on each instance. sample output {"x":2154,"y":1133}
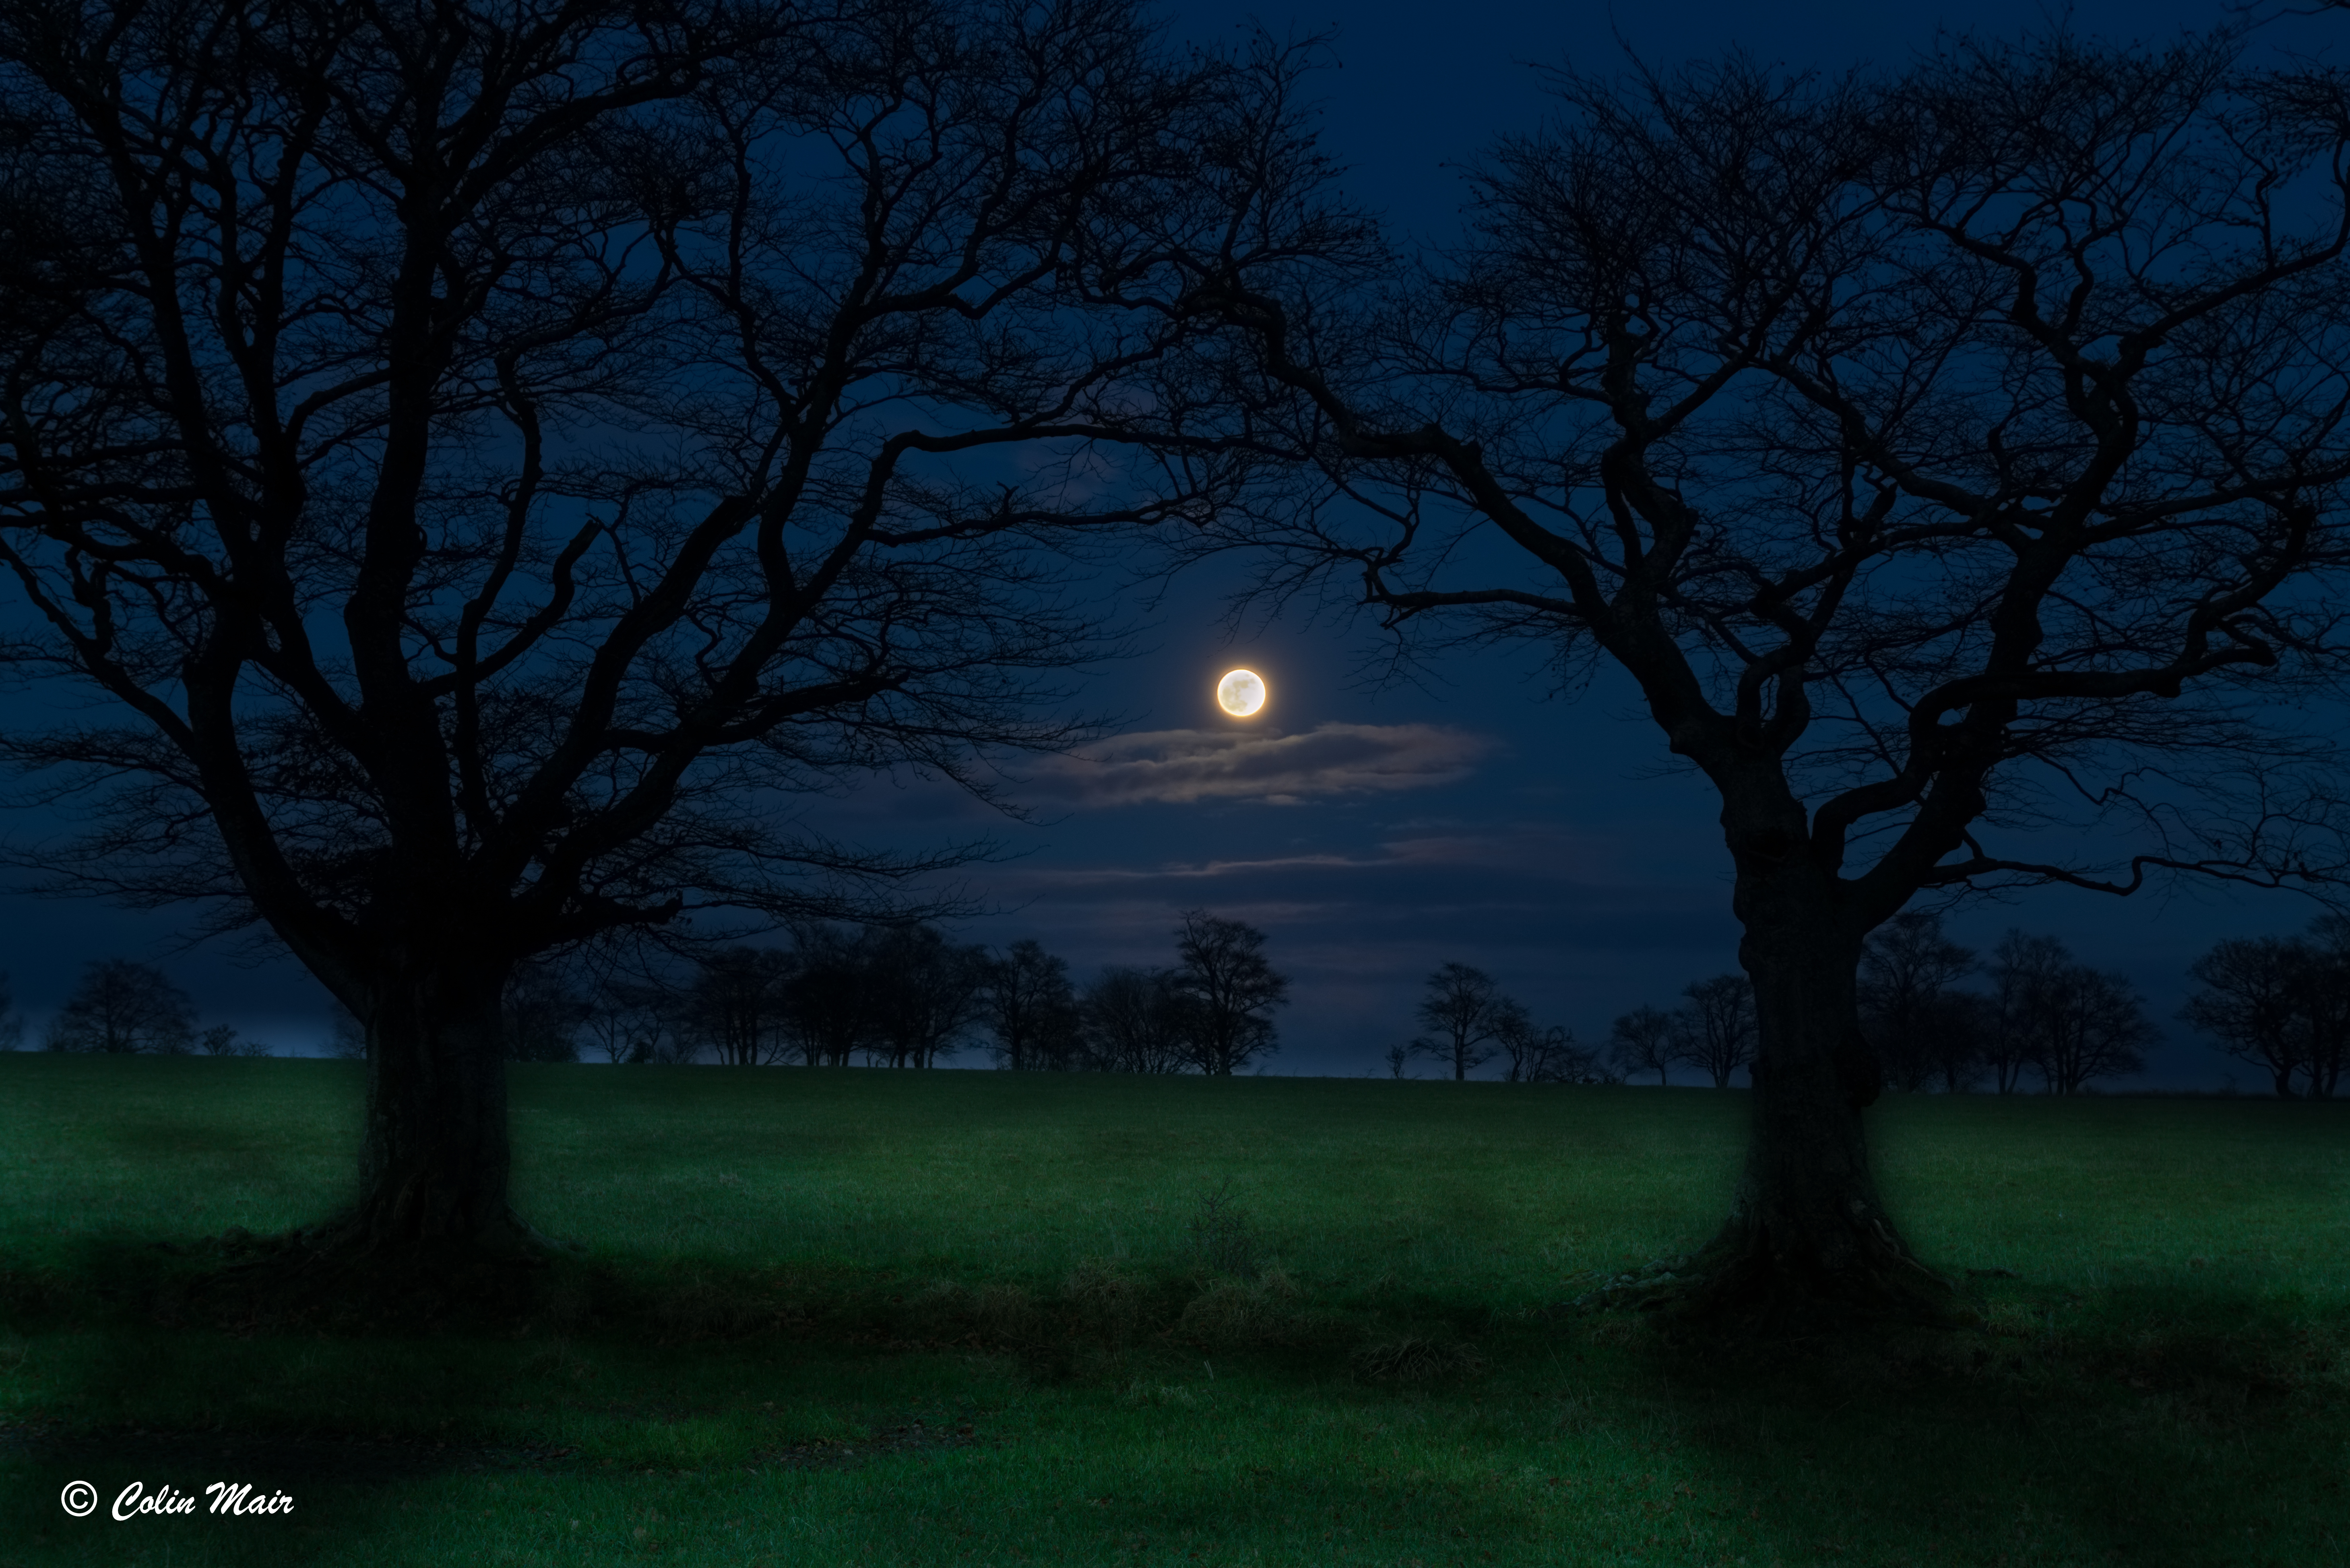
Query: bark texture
{"x":434,"y":1160}
{"x":1808,"y":1240}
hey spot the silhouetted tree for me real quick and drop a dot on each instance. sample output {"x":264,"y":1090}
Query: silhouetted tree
{"x":2324,"y":982}
{"x":2095,"y":1027}
{"x":1538,"y":1053}
{"x":498,"y":458}
{"x":1951,"y":1034}
{"x":738,"y":1002}
{"x":1714,"y":1032}
{"x":12,"y":1025}
{"x":1137,"y":1021}
{"x":223,"y":1040}
{"x":543,"y":1015}
{"x":1643,"y":1041}
{"x":1232,"y":990}
{"x":635,"y":1018}
{"x":1400,"y":1057}
{"x":927,"y":993}
{"x":679,"y":1044}
{"x":2073,"y":1023}
{"x":1908,"y":1009}
{"x":2251,"y":1003}
{"x":2280,"y":1002}
{"x":1030,"y":1008}
{"x":1464,"y":1012}
{"x":1944,"y":454}
{"x":121,"y":1005}
{"x":829,"y":1010}
{"x":2027,"y":975}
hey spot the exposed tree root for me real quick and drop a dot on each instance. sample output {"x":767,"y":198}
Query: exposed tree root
{"x":1742,"y":1285}
{"x":1752,"y":1290}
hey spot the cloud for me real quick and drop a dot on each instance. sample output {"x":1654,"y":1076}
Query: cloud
{"x":1111,"y":876}
{"x":1180,"y":767}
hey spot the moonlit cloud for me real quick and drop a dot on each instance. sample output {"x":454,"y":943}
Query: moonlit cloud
{"x":1180,"y":767}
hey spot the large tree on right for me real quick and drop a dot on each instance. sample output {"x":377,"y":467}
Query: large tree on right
{"x":1954,"y":463}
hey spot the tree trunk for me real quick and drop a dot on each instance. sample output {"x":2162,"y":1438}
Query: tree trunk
{"x":434,"y":1160}
{"x":1808,"y":1243}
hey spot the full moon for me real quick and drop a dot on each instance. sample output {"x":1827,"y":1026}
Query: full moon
{"x":1241,"y":692}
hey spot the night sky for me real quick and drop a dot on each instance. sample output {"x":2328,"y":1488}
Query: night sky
{"x":1376,"y":830}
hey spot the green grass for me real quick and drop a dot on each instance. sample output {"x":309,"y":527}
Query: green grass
{"x":785,"y":1271}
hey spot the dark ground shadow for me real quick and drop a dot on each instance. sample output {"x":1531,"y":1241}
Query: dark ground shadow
{"x":2137,"y":1427}
{"x":2155,"y":1428}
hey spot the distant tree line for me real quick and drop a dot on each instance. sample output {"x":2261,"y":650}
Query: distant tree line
{"x":1467,"y":1020}
{"x":1713,"y":1030}
{"x":2044,"y":1018}
{"x":904,"y":995}
{"x":910,"y":996}
{"x":882,"y":995}
{"x":120,"y":1006}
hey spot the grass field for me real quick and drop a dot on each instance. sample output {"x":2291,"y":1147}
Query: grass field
{"x":859,"y":1317}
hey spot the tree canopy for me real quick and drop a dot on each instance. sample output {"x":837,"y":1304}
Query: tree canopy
{"x":1952,"y":457}
{"x":498,"y":462}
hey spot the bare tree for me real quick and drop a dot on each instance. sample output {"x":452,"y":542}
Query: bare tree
{"x":737,"y":1004}
{"x":1138,"y":1021}
{"x":1029,"y":1006}
{"x":928,"y":992}
{"x":2325,"y":1003}
{"x":1538,"y":1053}
{"x":1464,"y":1012}
{"x":2093,"y":1025}
{"x":2027,"y":973}
{"x":1398,"y":1059}
{"x":497,"y":459}
{"x":2280,"y":1002}
{"x":1951,"y":1034}
{"x":632,"y":1020}
{"x":223,"y":1040}
{"x":2070,"y":1023}
{"x":1642,"y":1041}
{"x":543,"y":1012}
{"x":2251,"y":1002}
{"x":829,"y":998}
{"x":1935,"y":520}
{"x":1233,"y":990}
{"x":120,"y":1005}
{"x":1908,"y":1007}
{"x":1714,"y":1032}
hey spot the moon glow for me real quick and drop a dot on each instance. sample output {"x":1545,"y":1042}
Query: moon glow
{"x":1241,"y":692}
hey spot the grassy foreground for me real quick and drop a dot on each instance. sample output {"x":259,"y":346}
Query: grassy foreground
{"x":858,"y":1317}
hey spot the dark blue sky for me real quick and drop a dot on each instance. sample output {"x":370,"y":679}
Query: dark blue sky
{"x":1467,"y":818}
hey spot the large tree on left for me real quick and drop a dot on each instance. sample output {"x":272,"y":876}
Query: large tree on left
{"x":495,"y":457}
